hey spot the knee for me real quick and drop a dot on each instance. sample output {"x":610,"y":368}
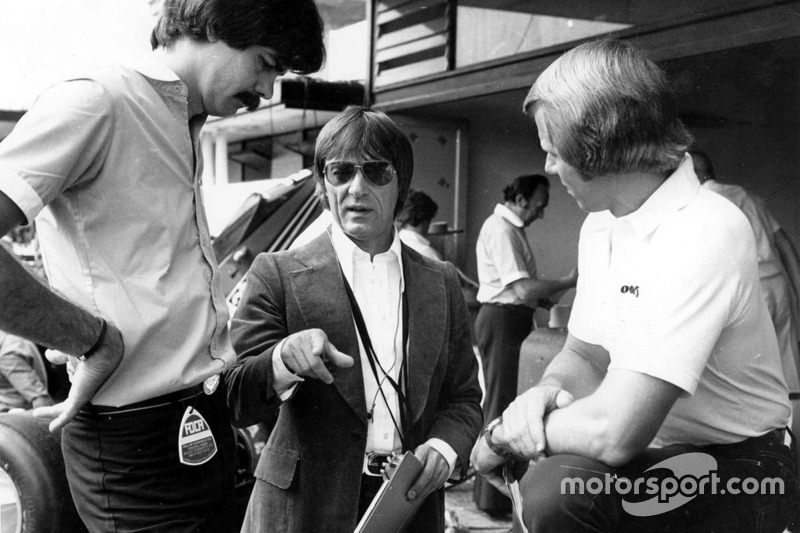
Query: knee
{"x":541,"y":494}
{"x":549,"y":505}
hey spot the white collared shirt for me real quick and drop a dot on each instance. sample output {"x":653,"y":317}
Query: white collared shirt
{"x":378,"y":286}
{"x":504,"y":256}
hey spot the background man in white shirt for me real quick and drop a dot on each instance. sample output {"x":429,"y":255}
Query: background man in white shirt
{"x":510,"y":291}
{"x":778,"y":264}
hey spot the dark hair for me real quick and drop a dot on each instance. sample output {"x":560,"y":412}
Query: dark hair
{"x":293,"y":28}
{"x":525,"y":185}
{"x":702,"y":162}
{"x":360,"y":130}
{"x":608,"y":110}
{"x":417,"y":209}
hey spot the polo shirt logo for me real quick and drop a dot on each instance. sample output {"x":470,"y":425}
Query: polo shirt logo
{"x":632,"y":289}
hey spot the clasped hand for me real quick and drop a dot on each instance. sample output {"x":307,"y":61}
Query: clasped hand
{"x":521,"y":432}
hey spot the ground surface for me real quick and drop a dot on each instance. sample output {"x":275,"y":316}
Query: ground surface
{"x":458,"y":501}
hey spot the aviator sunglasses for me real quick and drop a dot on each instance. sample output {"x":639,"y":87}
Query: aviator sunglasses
{"x":378,"y":173}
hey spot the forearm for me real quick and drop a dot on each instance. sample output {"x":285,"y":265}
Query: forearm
{"x":572,"y":373}
{"x":533,"y":290}
{"x":251,"y":394}
{"x":580,"y":430}
{"x":583,"y":427}
{"x":615,"y":423}
{"x":32,"y":311}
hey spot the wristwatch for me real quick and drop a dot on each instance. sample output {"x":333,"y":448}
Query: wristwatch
{"x":487,"y":435}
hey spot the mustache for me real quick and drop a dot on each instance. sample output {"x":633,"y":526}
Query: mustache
{"x":250,"y":100}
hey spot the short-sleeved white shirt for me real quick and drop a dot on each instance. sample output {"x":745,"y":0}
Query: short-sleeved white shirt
{"x":504,"y":256}
{"x":124,"y":232}
{"x":672,"y":291}
{"x":763,"y":224}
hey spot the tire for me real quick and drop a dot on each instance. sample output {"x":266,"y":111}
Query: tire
{"x":30,"y":458}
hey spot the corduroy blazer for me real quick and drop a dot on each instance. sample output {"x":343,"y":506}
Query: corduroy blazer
{"x":308,"y":477}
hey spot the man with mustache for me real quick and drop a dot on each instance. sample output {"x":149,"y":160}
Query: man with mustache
{"x":110,"y":163}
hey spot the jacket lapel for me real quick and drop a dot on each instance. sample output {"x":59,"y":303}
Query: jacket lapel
{"x":427,"y":306}
{"x":323,"y":304}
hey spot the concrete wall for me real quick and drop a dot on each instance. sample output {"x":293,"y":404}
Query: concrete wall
{"x":499,"y":152}
{"x":764,"y":160}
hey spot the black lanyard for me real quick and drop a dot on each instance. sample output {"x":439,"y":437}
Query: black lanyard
{"x":374,"y":364}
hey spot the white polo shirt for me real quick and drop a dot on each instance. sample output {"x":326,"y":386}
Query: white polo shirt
{"x":110,"y":166}
{"x":763,"y":224}
{"x":672,"y":291}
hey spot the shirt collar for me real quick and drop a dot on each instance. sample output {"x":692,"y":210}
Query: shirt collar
{"x":675,"y":193}
{"x":509,"y":215}
{"x":348,"y":252}
{"x":150,"y":66}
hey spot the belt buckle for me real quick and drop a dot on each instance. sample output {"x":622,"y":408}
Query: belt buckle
{"x":374,"y":463}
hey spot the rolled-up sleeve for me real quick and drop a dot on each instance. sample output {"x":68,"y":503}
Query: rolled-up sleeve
{"x":57,"y":144}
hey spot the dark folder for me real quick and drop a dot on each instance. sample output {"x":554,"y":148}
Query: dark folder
{"x":390,"y":511}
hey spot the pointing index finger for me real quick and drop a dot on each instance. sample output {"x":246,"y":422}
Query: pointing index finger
{"x":337,"y":358}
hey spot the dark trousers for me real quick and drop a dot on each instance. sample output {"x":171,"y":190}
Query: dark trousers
{"x":692,"y":501}
{"x":125,"y":475}
{"x":499,"y":332}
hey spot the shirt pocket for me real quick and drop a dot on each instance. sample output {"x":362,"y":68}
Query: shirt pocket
{"x":277,"y":466}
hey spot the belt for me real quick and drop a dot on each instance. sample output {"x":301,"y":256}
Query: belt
{"x":374,"y":463}
{"x":774,"y":438}
{"x":153,"y":403}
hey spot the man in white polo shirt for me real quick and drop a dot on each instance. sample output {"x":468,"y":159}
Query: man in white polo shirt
{"x":670,"y":376}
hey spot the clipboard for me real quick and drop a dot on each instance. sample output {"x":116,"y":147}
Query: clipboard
{"x":390,"y":511}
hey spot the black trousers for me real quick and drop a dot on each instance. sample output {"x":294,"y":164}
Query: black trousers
{"x":748,"y":487}
{"x":499,"y":331}
{"x":125,"y":475}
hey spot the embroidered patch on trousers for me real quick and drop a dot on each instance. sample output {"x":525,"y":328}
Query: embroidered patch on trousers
{"x":196,"y":444}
